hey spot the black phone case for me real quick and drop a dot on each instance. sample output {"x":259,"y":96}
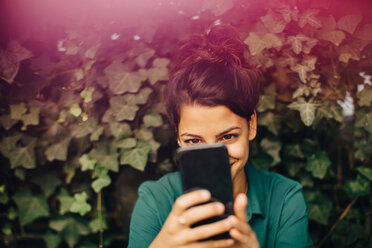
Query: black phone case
{"x":207,"y":167}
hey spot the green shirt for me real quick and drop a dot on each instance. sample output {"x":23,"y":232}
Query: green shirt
{"x":276,"y":209}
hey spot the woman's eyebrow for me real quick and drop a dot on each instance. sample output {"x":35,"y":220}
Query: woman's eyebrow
{"x":227,"y":131}
{"x":190,"y":134}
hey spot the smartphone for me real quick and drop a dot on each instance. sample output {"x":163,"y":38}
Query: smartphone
{"x":207,"y":167}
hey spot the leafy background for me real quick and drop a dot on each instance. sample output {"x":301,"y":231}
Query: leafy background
{"x":82,"y":124}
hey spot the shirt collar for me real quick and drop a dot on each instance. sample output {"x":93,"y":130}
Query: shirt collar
{"x":256,"y":199}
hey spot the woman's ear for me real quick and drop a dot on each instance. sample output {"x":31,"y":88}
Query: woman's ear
{"x":253,"y":126}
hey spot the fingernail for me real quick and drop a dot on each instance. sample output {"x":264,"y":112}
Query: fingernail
{"x":205,"y":194}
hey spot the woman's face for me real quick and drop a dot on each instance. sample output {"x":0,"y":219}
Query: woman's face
{"x":207,"y":125}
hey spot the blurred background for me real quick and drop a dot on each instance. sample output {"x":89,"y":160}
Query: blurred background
{"x":82,"y":122}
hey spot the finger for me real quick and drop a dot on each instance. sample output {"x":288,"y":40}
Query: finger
{"x":240,"y":207}
{"x":190,"y":199}
{"x":203,"y":212}
{"x":242,"y":226}
{"x":208,"y":230}
{"x":214,"y":243}
{"x":244,"y":238}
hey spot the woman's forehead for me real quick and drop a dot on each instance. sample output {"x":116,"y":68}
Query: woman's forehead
{"x":200,"y":119}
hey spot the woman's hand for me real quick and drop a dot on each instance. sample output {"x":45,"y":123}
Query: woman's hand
{"x":176,"y":231}
{"x":241,"y":231}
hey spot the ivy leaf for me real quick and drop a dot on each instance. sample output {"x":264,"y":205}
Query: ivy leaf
{"x":23,"y":156}
{"x":126,"y":143}
{"x":86,"y":162}
{"x":159,"y":71}
{"x":142,"y":58}
{"x":335,"y":36}
{"x":32,"y":118}
{"x":152,"y":120}
{"x":75,"y":110}
{"x":48,"y":181}
{"x":293,"y":150}
{"x":319,"y":207}
{"x":9,"y":143}
{"x":105,"y":158}
{"x":71,"y":229}
{"x":58,"y":151}
{"x":51,"y":239}
{"x":97,"y":133}
{"x":122,"y":110}
{"x":309,"y":17}
{"x":306,"y":109}
{"x":9,"y":66}
{"x":19,"y":51}
{"x":302,"y":71}
{"x":121,"y":80}
{"x":288,"y":13}
{"x":101,"y":182}
{"x":30,"y":207}
{"x":349,"y":23}
{"x":120,"y":130}
{"x":329,"y":112}
{"x":87,"y":94}
{"x":358,"y":187}
{"x":65,"y":201}
{"x":97,"y":224}
{"x":255,"y":43}
{"x":364,"y":33}
{"x":6,"y":122}
{"x":80,"y":204}
{"x":296,"y":43}
{"x":364,"y":120}
{"x":143,"y":134}
{"x":218,"y":7}
{"x":318,"y":164}
{"x":261,"y":161}
{"x":267,"y":100}
{"x":367,"y":172}
{"x":365,"y":96}
{"x":273,"y":22}
{"x":272,"y":148}
{"x":271,"y":121}
{"x":139,"y":98}
{"x":17,"y":110}
{"x":136,"y":157}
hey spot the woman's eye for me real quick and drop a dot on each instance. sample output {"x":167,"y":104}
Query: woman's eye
{"x":228,"y":137}
{"x":192,"y":141}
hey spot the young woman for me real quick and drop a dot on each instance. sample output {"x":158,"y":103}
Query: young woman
{"x":211,"y":97}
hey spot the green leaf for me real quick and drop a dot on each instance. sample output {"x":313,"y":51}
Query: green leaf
{"x":364,"y":120}
{"x":143,"y":134}
{"x":75,"y":110}
{"x":272,"y":148}
{"x":255,"y":43}
{"x":364,"y":33}
{"x":159,"y":71}
{"x":367,"y":172}
{"x":349,"y":23}
{"x":271,"y":121}
{"x":318,"y":164}
{"x":272,"y":41}
{"x":97,"y":133}
{"x":273,"y":22}
{"x":146,"y":54}
{"x":105,"y":157}
{"x":48,"y":181}
{"x":30,"y":207}
{"x":365,"y":96}
{"x":139,"y":98}
{"x":152,"y":120}
{"x":306,"y":109}
{"x":136,"y":157}
{"x":319,"y":207}
{"x":294,"y":151}
{"x":7,"y":229}
{"x":261,"y":161}
{"x":19,"y":51}
{"x":58,"y":151}
{"x":17,"y":111}
{"x":120,"y":130}
{"x":87,"y":163}
{"x":296,"y":43}
{"x":97,"y":224}
{"x":23,"y":156}
{"x":71,"y":229}
{"x":309,"y":17}
{"x":121,"y":109}
{"x":335,"y":36}
{"x":126,"y":143}
{"x":9,"y":143}
{"x":32,"y":118}
{"x":267,"y":100}
{"x":65,"y":201}
{"x":9,"y":66}
{"x":6,"y":122}
{"x":293,"y":168}
{"x":101,"y":182}
{"x":358,"y":187}
{"x":51,"y":239}
{"x":302,"y":71}
{"x":86,"y":94}
{"x":122,"y":81}
{"x":80,"y":204}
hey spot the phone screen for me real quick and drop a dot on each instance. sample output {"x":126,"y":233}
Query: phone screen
{"x":207,"y":167}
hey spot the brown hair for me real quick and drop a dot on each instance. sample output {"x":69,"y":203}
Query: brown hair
{"x":211,"y":70}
